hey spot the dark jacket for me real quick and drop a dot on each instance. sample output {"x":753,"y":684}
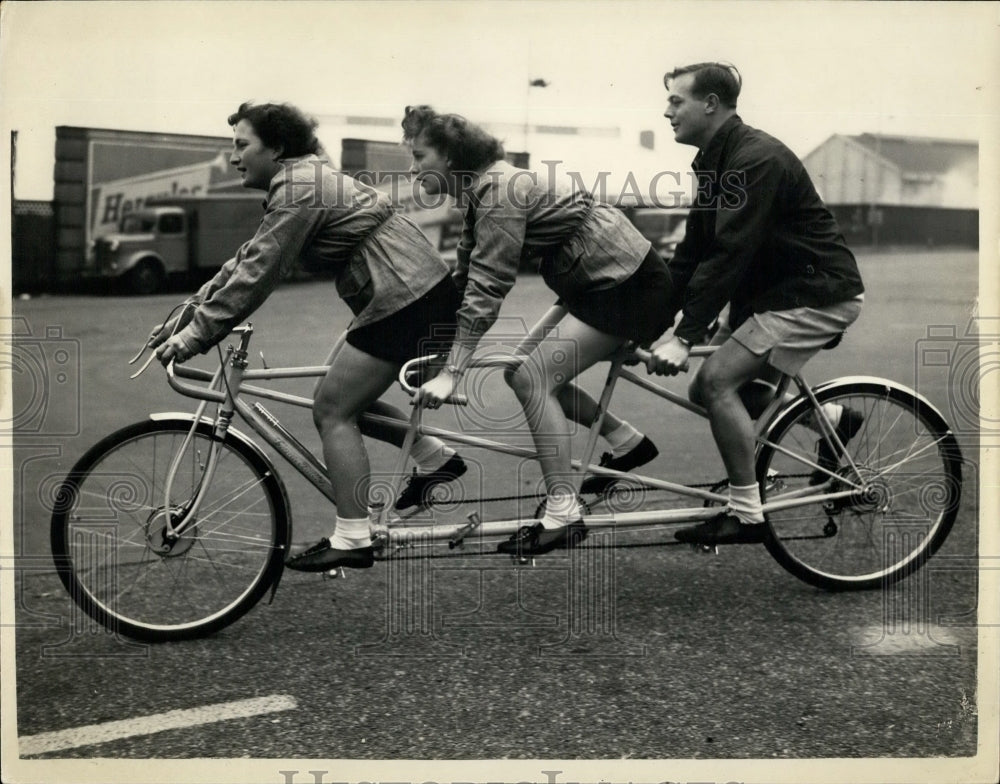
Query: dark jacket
{"x":758,"y":234}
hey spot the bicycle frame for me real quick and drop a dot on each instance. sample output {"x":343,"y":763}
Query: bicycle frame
{"x":228,"y":388}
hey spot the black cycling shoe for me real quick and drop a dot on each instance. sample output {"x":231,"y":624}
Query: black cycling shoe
{"x":418,"y":486}
{"x":724,"y":528}
{"x":639,"y":455}
{"x":848,"y":427}
{"x":537,"y":539}
{"x":321,"y":557}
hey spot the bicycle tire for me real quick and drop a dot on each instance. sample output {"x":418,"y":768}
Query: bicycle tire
{"x":909,"y":464}
{"x":108,"y":527}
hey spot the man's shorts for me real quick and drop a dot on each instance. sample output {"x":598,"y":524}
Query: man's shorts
{"x":793,"y":336}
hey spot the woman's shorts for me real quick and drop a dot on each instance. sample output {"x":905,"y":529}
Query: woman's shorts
{"x":426,"y":326}
{"x":637,"y":309}
{"x":794,"y":336}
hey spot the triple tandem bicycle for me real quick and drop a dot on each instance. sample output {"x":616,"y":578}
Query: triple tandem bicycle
{"x":176,"y":526}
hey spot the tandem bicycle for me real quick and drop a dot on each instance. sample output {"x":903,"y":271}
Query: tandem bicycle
{"x":176,"y":526}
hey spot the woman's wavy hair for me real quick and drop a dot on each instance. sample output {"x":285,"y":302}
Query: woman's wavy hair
{"x":280,"y":125}
{"x":466,"y":146}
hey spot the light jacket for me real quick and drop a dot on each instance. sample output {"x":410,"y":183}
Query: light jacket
{"x":513,"y":215}
{"x":379,"y":258}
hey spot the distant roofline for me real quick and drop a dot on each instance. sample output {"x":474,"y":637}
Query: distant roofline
{"x":86,"y":130}
{"x":896,"y":137}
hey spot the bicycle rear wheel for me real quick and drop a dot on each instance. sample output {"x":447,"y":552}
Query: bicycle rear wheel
{"x":109,"y":532}
{"x":906,"y":479}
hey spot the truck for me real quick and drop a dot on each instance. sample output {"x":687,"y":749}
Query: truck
{"x":102,"y":175}
{"x":189,"y":236}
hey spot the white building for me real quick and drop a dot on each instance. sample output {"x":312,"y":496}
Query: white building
{"x":884,"y":170}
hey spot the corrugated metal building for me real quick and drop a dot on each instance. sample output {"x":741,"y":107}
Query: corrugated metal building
{"x":900,"y":190}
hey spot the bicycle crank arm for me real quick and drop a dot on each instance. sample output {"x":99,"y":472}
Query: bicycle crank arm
{"x":464,"y":531}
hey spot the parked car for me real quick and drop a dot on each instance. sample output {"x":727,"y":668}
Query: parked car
{"x":662,"y":226}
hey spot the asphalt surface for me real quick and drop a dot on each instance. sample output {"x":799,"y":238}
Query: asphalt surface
{"x":669,"y":654}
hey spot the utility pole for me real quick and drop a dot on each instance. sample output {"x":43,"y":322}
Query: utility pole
{"x":527,"y":107}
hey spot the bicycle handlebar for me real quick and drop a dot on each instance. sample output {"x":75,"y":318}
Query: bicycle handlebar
{"x":175,"y":372}
{"x":413,"y":366}
{"x":645,"y":355}
{"x":637,"y":354}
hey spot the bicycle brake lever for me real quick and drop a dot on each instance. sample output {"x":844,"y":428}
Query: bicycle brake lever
{"x":141,"y":352}
{"x":139,"y":372}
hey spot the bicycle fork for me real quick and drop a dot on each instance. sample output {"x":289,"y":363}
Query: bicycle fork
{"x":178,"y":520}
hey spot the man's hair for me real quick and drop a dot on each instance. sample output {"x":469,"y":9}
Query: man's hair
{"x":720,"y":78}
{"x":280,"y":125}
{"x":467,"y":146}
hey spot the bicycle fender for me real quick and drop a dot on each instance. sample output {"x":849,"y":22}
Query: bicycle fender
{"x":794,"y":407}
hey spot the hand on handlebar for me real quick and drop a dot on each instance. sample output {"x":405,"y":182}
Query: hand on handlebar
{"x":433,"y":393}
{"x":171,"y":326}
{"x":668,"y":359}
{"x":173,"y":349}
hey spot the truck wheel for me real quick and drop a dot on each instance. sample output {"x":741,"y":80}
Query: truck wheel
{"x":146,"y":277}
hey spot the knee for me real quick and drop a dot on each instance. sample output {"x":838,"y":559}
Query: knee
{"x":521,"y":381}
{"x":325,"y":413}
{"x":709,"y":386}
{"x":319,"y":412}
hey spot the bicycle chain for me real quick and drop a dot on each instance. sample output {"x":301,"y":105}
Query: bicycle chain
{"x":540,"y":496}
{"x":402,"y":554}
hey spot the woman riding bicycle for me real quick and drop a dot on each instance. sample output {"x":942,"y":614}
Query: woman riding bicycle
{"x":612,"y":288}
{"x":394,"y":281}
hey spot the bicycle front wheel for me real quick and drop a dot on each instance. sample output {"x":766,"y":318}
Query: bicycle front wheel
{"x":899,"y":484}
{"x":113,"y":551}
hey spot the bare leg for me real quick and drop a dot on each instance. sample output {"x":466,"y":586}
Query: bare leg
{"x":376,"y":430}
{"x":717,"y":388}
{"x":576,"y":404}
{"x":354,"y":382}
{"x":756,"y":393}
{"x":538,"y":387}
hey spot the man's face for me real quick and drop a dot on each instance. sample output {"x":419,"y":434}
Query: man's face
{"x":690,"y":117}
{"x":255,"y":162}
{"x":429,"y":167}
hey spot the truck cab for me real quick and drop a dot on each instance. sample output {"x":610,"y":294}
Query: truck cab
{"x":150,"y":244}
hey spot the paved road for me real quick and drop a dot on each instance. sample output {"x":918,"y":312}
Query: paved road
{"x":670,"y":654}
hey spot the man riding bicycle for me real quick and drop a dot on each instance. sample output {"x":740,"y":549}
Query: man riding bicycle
{"x":758,"y":235}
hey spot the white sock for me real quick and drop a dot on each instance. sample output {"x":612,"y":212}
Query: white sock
{"x":744,"y":502}
{"x":350,"y":533}
{"x":623,"y":439}
{"x":430,"y":453}
{"x":560,"y":510}
{"x":832,"y":412}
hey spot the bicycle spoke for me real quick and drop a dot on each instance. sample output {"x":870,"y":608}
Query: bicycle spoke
{"x":895,"y":456}
{"x":144,"y":579}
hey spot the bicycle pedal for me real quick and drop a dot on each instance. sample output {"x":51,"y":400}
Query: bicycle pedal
{"x":398,"y":516}
{"x":705,"y":549}
{"x":337,"y":573}
{"x":523,"y":560}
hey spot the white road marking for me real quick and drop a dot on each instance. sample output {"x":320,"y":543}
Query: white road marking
{"x":147,"y":725}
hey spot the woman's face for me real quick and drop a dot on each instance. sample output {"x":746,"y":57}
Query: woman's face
{"x":430,"y":167}
{"x":255,"y":162}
